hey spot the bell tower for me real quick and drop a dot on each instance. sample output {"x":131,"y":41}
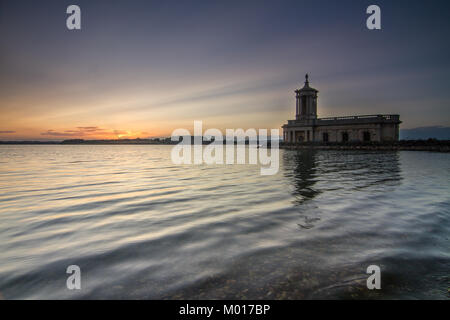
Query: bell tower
{"x":306,"y":102}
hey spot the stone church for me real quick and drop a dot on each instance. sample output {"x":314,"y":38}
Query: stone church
{"x":308,"y":128}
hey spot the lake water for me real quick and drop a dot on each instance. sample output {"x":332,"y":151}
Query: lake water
{"x":140,"y":227}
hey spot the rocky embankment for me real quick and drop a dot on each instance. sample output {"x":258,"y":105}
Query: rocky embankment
{"x":415,"y":145}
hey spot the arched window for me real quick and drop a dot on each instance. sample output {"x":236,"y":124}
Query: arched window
{"x":366,"y":136}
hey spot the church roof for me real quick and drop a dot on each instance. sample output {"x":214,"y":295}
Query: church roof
{"x":306,"y":87}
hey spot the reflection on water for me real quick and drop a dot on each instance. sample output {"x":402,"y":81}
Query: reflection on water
{"x":304,"y":174}
{"x":313,"y":172}
{"x":140,"y":227}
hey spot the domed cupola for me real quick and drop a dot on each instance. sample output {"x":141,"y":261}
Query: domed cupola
{"x":306,"y":102}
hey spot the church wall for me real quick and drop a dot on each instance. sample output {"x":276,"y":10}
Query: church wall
{"x":378,"y":132}
{"x":389,"y":132}
{"x":355,"y":132}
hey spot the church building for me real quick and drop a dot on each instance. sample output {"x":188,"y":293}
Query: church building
{"x":308,"y":128}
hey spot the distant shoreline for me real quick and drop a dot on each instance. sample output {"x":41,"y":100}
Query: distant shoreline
{"x":411,"y":145}
{"x":96,"y":142}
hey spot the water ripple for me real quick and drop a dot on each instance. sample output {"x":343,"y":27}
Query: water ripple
{"x":141,"y":227}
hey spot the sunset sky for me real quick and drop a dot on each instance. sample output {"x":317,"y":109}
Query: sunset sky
{"x":144,"y":68}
